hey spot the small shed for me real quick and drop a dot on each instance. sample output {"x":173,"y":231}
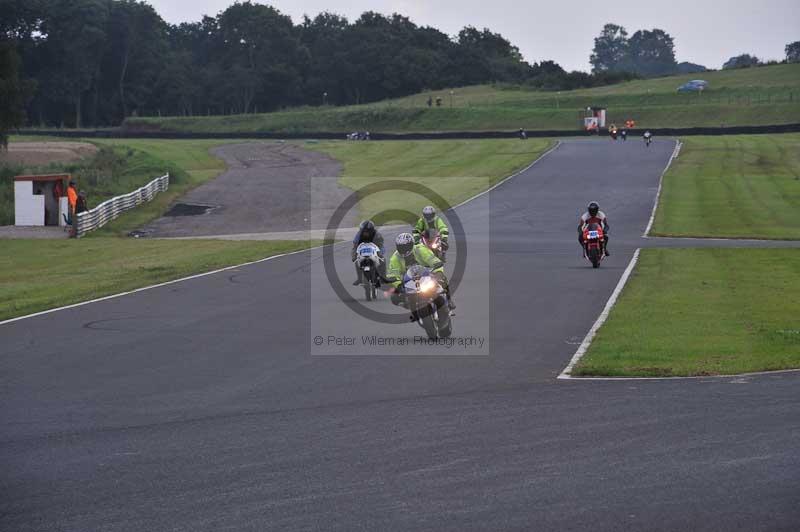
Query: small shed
{"x":41,"y":200}
{"x":595,"y":118}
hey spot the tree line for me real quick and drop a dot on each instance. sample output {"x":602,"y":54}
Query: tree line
{"x":80,"y":63}
{"x":646,"y":52}
{"x":649,"y":53}
{"x":96,"y":62}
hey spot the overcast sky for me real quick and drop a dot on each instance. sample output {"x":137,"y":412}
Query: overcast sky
{"x":705,"y":31}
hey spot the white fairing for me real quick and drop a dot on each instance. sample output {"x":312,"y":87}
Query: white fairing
{"x":367,"y":255}
{"x":411,"y":286}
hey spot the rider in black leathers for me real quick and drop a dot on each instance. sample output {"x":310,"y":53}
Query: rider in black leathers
{"x":367,"y":232}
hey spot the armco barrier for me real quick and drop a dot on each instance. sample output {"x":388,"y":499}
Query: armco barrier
{"x":136,"y":134}
{"x":110,"y":209}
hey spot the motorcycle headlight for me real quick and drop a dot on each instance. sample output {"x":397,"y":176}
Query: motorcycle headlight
{"x":427,"y":285}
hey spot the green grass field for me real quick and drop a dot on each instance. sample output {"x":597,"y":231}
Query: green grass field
{"x":754,"y":96}
{"x":702,"y":312}
{"x":36,"y":275}
{"x":456,"y":169}
{"x":734,"y":187}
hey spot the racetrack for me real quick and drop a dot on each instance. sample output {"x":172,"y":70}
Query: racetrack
{"x":198,"y":406}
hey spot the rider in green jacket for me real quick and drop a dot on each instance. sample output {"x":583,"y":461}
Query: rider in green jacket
{"x":429,"y":220}
{"x":407,"y":255}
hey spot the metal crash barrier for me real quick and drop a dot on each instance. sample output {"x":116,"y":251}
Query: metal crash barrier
{"x":112,"y":208}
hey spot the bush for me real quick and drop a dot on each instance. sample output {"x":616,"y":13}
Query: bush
{"x":7,"y":174}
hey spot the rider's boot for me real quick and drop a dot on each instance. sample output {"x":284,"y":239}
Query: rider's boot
{"x":360,"y":277}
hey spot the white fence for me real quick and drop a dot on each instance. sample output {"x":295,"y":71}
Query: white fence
{"x":110,"y":209}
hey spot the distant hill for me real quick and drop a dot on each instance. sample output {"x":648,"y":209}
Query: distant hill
{"x":752,"y":96}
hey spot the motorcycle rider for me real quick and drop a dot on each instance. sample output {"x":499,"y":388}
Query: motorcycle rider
{"x":430,"y":220}
{"x":594,"y":215}
{"x":647,"y":136}
{"x":367,"y":232}
{"x":408,"y":254}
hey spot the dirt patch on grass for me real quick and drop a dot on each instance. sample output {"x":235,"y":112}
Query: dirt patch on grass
{"x":44,"y":153}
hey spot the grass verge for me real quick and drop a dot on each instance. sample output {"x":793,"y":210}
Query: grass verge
{"x":702,"y":312}
{"x":742,"y":186}
{"x":749,"y":96}
{"x":36,"y":275}
{"x":456,"y":169}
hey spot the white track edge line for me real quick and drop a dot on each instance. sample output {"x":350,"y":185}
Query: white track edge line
{"x":143,"y":288}
{"x":587,"y":340}
{"x":672,"y":157}
{"x":265,"y":259}
{"x":687,"y":377}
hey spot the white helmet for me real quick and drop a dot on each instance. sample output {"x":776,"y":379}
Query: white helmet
{"x":405,"y":244}
{"x":429,"y":213}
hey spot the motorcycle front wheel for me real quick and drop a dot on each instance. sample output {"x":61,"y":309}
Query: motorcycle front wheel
{"x":594,"y":257}
{"x":425,"y":315}
{"x":369,"y":286}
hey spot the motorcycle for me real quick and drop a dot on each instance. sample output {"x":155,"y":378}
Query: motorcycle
{"x":427,"y":300}
{"x":624,"y":135}
{"x":647,"y":140}
{"x":593,"y":240}
{"x":433,"y":241}
{"x":613,"y":134}
{"x":369,"y":261}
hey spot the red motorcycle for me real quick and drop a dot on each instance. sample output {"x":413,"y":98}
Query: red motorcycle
{"x":593,"y":242}
{"x":433,"y":241}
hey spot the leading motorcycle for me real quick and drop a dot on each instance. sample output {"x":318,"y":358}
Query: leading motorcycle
{"x":426,"y":298}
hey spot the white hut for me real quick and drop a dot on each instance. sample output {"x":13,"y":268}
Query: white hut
{"x":41,"y":200}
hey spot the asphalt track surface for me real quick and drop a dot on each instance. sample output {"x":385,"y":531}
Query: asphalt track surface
{"x":267,"y":187}
{"x":198,"y":406}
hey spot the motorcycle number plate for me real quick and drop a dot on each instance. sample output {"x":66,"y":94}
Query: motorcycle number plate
{"x":366,"y":252}
{"x":594,"y":234}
